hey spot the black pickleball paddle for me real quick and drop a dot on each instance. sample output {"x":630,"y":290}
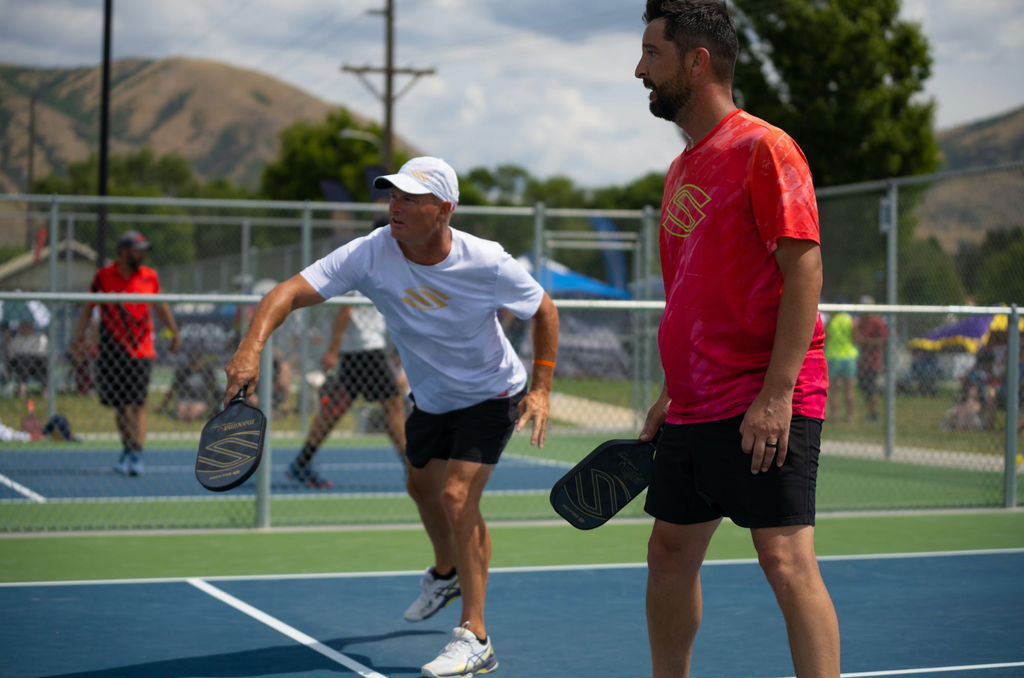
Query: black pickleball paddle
{"x":605,"y":481}
{"x":231,"y":446}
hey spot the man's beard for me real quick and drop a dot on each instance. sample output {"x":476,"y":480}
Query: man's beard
{"x":134,"y":263}
{"x":671,"y":100}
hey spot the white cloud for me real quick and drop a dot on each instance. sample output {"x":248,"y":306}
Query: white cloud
{"x":545,"y":85}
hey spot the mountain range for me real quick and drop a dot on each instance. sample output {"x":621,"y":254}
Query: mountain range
{"x":226,"y":120}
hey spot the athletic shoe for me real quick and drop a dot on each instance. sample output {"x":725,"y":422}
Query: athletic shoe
{"x":122,"y":465}
{"x":465,"y":655}
{"x":135,"y":466}
{"x":436,"y":595}
{"x":308,"y":477}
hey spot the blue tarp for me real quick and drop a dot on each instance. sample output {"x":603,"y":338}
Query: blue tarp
{"x":558,"y":279}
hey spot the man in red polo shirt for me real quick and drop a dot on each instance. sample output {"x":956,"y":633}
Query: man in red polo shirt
{"x":741,"y":344}
{"x":126,"y":344}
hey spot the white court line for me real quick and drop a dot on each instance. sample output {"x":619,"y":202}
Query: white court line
{"x":280,"y":626}
{"x":935,"y":669}
{"x":21,"y":489}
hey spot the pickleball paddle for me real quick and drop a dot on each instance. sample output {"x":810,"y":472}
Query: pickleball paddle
{"x":231,"y":446}
{"x":605,"y":481}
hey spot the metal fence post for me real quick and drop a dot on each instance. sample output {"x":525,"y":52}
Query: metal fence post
{"x":51,"y":346}
{"x":307,"y":259}
{"x":892,"y":243}
{"x":69,"y":258}
{"x":1012,"y":404}
{"x":538,"y":245}
{"x":647,"y":230}
{"x":639,"y":380}
{"x":266,"y":396}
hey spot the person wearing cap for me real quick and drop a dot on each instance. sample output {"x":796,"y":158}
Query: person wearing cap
{"x":126,"y":350}
{"x":440,"y":291}
{"x":871,"y":335}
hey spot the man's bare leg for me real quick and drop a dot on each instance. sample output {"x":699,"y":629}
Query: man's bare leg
{"x":463,"y":486}
{"x":425,"y":486}
{"x":674,"y":606}
{"x":786,"y":555}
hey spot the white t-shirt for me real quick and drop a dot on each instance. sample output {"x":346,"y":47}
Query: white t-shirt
{"x":442,"y":318}
{"x":366,"y":330}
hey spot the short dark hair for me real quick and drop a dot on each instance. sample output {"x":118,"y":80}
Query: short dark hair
{"x":699,"y":23}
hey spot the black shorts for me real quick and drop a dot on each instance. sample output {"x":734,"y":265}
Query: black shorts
{"x":121,"y":379}
{"x":29,"y":367}
{"x":363,"y":373}
{"x":869,"y":381}
{"x":701,"y":474}
{"x":476,"y":433}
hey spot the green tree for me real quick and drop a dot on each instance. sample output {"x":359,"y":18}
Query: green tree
{"x":314,"y":151}
{"x":844,"y":78}
{"x":1001,"y":279}
{"x":972,"y":257}
{"x":927,"y":275}
{"x":144,"y":174}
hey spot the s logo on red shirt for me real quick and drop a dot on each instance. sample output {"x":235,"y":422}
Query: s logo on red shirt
{"x":683,"y":212}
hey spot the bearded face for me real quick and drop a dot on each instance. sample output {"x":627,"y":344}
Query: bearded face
{"x":671,"y":100}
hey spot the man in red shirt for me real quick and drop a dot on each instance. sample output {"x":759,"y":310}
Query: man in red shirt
{"x":126,"y":344}
{"x":870,"y":334}
{"x":741,"y":344}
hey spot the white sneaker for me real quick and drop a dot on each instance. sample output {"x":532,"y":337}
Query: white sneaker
{"x":437,"y":593}
{"x":465,"y":655}
{"x":122,"y":465}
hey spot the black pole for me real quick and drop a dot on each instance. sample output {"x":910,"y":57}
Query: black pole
{"x":30,"y":236}
{"x":101,"y":222}
{"x":389,"y":75}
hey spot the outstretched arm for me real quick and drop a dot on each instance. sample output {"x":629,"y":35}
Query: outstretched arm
{"x":244,"y":367}
{"x":537,"y":403}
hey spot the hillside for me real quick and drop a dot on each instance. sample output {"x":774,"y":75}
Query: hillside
{"x":992,"y":141}
{"x":962,"y":211}
{"x":222,"y":118}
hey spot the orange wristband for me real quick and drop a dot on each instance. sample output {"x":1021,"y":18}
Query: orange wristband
{"x":545,"y":363}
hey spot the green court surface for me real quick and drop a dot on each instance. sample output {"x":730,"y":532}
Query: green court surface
{"x":199,"y":554}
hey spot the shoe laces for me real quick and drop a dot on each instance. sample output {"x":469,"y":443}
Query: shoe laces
{"x":452,"y":649}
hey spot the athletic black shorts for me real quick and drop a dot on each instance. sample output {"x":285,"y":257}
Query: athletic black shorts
{"x":701,"y":474}
{"x":476,"y":433}
{"x":363,"y":373}
{"x":121,"y":379}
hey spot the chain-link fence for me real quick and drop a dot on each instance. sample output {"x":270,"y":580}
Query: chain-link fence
{"x":949,"y":239}
{"x":923,"y":424}
{"x":938,"y":431}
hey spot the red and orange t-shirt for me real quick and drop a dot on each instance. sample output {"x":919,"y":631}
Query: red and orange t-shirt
{"x":727,"y":202}
{"x":130,"y":325}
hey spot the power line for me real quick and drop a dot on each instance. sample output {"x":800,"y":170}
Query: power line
{"x":216,"y":24}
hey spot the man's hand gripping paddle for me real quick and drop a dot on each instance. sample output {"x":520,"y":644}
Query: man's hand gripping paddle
{"x":604,"y":482}
{"x":231,"y":446}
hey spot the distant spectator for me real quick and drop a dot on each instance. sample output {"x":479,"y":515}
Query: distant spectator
{"x":195,"y":388}
{"x":126,"y":352}
{"x":841,"y":354}
{"x":976,"y":407}
{"x":32,"y":428}
{"x":26,"y":355}
{"x":870,"y":334}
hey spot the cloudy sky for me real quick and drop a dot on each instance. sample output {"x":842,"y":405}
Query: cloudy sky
{"x":546,"y":85}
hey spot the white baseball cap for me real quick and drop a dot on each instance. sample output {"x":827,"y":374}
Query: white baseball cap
{"x":424,"y":175}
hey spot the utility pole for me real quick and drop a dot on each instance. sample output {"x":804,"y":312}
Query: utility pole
{"x":30,"y":179}
{"x":101,"y":221}
{"x":389,"y":71}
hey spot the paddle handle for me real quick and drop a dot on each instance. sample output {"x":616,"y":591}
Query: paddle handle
{"x":240,"y":396}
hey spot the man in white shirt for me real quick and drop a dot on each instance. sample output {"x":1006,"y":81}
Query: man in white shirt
{"x":359,"y":339}
{"x":440,"y":291}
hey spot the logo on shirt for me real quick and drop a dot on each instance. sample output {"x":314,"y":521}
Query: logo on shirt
{"x":425,"y":298}
{"x":683,"y":212}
